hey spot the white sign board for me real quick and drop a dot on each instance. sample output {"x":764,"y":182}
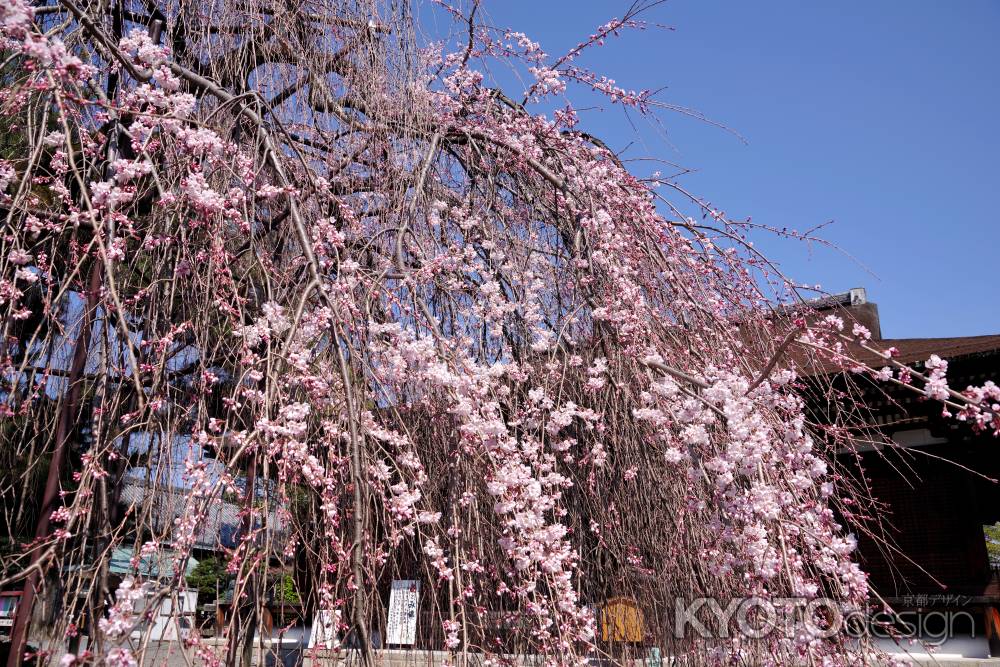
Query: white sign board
{"x":168,"y":624}
{"x":324,"y":630}
{"x":404,"y":601}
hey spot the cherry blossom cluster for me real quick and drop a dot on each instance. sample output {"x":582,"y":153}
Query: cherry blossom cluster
{"x":977,"y":406}
{"x":454,"y":339}
{"x":121,"y":618}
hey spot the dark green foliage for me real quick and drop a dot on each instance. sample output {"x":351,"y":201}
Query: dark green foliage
{"x":209,"y":576}
{"x":285,"y":590}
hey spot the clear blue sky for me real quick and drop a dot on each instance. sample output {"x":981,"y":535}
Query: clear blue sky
{"x":883,"y":117}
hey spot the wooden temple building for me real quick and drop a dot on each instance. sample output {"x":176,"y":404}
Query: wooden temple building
{"x":935,"y":484}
